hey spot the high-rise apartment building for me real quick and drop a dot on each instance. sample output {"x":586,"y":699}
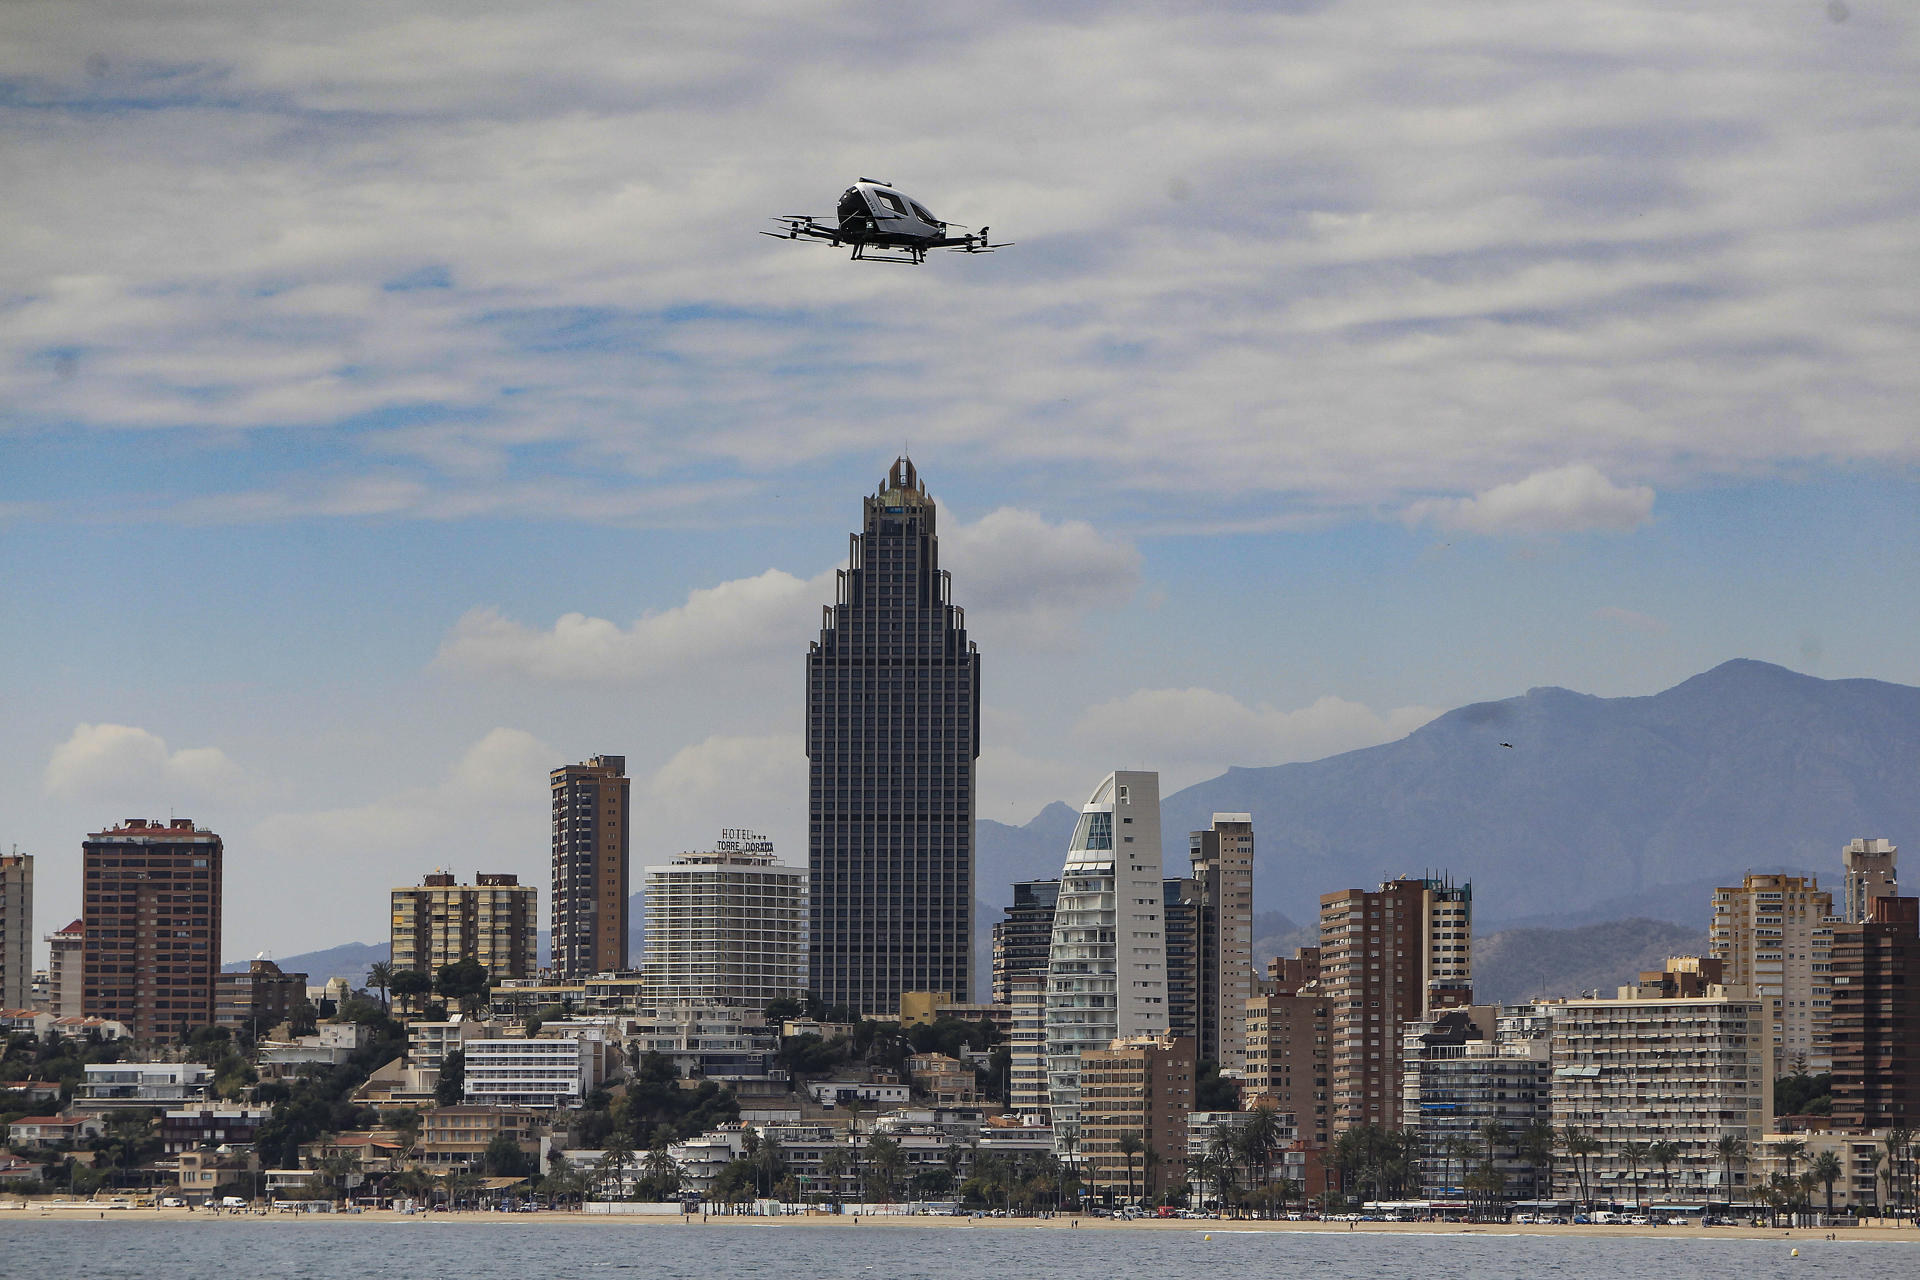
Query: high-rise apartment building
{"x":893,"y":730}
{"x":1876,"y":1018}
{"x":1466,"y":1069}
{"x":1107,"y":969}
{"x":1022,"y":939}
{"x":1027,"y":1047}
{"x":726,"y":926}
{"x":1182,"y":909}
{"x":65,"y":962}
{"x":1691,"y":1070}
{"x":1773,"y":935}
{"x":1388,"y":957}
{"x":1289,"y":1034}
{"x":16,"y":930}
{"x":1139,"y":1086}
{"x":1868,"y":866}
{"x":591,"y":824}
{"x":151,"y":899}
{"x":495,"y":920}
{"x":1222,"y":858}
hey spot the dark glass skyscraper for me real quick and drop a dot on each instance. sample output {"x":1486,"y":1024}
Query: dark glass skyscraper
{"x":893,"y":729}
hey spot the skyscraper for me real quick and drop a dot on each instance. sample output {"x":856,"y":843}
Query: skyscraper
{"x":16,"y":930}
{"x":66,"y":958}
{"x":1876,"y":1017}
{"x":1222,"y":858}
{"x":590,"y":836}
{"x":893,"y":730}
{"x":151,"y":910}
{"x":1107,"y":969}
{"x":1774,"y":935}
{"x":495,"y":921}
{"x":1021,"y":941}
{"x":1388,"y":958}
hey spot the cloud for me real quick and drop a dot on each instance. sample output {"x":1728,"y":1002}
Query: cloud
{"x":1031,"y":580}
{"x":738,"y":621}
{"x":1644,"y":623}
{"x":757,"y":781}
{"x":1571,"y":499}
{"x":1191,"y":733}
{"x":471,"y":254}
{"x":133,"y":767}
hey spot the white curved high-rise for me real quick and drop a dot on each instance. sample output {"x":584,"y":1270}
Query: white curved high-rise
{"x":1107,"y":966}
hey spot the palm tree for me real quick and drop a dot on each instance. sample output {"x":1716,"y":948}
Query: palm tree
{"x":1636,"y":1152}
{"x":1257,"y":1139}
{"x":1581,"y":1148}
{"x":1131,"y":1145}
{"x":380,"y":978}
{"x":1495,"y":1135}
{"x":1536,"y":1148}
{"x":1827,"y":1168}
{"x":834,"y":1163}
{"x":1731,"y":1149}
{"x":660,"y":1167}
{"x":1664,"y":1153}
{"x":611,"y":1170}
{"x":1462,"y":1149}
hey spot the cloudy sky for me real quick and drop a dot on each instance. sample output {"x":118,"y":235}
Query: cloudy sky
{"x":395,"y":401}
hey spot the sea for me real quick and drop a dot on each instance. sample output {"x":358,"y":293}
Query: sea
{"x":481,"y":1248}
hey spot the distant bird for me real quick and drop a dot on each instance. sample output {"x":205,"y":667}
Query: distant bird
{"x":1507,"y":745}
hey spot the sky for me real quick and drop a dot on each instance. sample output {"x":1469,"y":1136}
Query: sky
{"x":396,"y":402}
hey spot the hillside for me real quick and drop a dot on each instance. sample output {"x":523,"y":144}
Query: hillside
{"x":1601,"y":808}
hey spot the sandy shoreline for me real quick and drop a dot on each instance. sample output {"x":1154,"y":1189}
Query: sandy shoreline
{"x":73,"y":1212}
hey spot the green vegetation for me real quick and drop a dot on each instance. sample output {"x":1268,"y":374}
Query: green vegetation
{"x":320,"y":1099}
{"x":1800,"y":1094}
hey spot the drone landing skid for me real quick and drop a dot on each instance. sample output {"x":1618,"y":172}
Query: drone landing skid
{"x":874,"y":253}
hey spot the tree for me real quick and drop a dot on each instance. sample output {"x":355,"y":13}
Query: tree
{"x":1789,"y":1150}
{"x":1664,"y":1153}
{"x":409,"y":985}
{"x":1581,"y":1147}
{"x":885,"y":1165}
{"x":1636,"y":1153}
{"x":1732,"y":1150}
{"x":1258,"y":1138}
{"x":1131,"y":1145}
{"x":610,"y":1171}
{"x":453,"y":1079}
{"x":834,"y":1164}
{"x":505,"y":1159}
{"x":380,"y":978}
{"x":1826,"y":1167}
{"x":1536,"y":1148}
{"x":466,"y":982}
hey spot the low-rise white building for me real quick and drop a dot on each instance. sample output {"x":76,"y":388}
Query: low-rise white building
{"x":143,"y":1084}
{"x":544,"y":1072}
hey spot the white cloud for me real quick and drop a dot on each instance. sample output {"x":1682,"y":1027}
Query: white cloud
{"x":1188,"y":734}
{"x":132,"y":766}
{"x":519,"y":240}
{"x":1031,"y":580}
{"x":757,"y":781}
{"x":1632,"y":620}
{"x":738,"y":621}
{"x":1570,"y":499}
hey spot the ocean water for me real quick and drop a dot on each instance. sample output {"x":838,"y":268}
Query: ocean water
{"x":518,"y":1249}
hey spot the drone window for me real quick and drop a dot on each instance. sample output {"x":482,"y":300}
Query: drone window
{"x":891,"y":200}
{"x":920,"y":212}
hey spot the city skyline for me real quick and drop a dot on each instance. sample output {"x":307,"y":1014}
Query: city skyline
{"x":1314,"y":398}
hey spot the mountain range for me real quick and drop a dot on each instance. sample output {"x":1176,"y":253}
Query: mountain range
{"x":1564,"y":810}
